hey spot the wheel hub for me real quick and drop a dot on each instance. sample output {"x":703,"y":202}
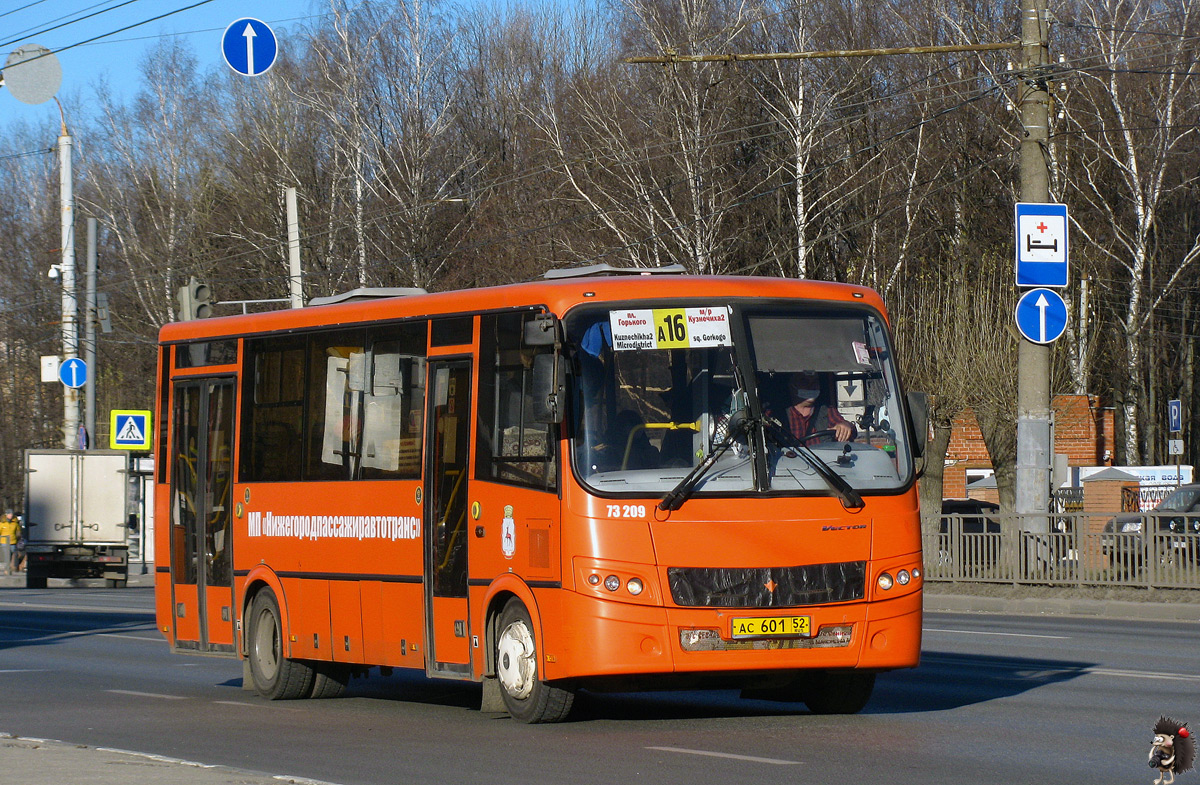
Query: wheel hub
{"x":517,"y":662}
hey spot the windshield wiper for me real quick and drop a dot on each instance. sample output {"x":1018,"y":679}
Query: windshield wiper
{"x":738,"y":424}
{"x":842,"y":489}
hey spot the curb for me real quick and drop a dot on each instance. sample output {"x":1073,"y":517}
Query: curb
{"x":51,"y":762}
{"x":1064,"y":606}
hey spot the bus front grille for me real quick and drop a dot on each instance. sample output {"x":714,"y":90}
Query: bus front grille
{"x":767,"y":587}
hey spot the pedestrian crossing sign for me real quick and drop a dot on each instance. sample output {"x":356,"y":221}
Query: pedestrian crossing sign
{"x":129,"y":429}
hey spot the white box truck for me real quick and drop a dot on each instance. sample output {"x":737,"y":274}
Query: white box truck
{"x":77,"y":515}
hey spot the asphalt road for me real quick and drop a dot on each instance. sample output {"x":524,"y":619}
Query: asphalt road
{"x":998,"y":698}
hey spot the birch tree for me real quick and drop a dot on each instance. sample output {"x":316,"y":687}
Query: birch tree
{"x":1136,"y":113}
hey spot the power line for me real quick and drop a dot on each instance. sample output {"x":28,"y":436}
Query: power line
{"x":28,"y":34}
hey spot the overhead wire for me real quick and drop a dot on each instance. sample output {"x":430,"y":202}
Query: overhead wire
{"x":30,"y":32}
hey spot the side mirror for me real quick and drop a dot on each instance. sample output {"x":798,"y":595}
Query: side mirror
{"x":541,"y":330}
{"x":918,"y":410}
{"x":549,"y":381}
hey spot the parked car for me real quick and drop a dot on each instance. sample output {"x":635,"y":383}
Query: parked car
{"x":976,"y":515}
{"x":1176,"y":523}
{"x":978,"y":545}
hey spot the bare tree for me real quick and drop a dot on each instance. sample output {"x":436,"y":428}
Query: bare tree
{"x":1136,"y":115}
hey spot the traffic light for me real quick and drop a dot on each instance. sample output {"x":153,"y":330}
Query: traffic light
{"x":195,"y":300}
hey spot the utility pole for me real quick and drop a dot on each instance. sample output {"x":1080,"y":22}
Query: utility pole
{"x":295,"y":281}
{"x":1034,"y":448}
{"x":70,"y":330}
{"x":89,"y":334}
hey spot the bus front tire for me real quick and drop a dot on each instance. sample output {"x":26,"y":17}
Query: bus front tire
{"x":837,"y":693}
{"x":526,"y":697}
{"x":275,"y":677}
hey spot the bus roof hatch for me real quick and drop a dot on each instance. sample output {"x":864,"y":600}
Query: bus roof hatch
{"x":591,"y":270}
{"x":366,"y":293}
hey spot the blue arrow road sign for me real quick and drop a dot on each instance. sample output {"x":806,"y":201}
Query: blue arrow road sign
{"x":249,"y":47}
{"x":73,"y":373}
{"x":1175,"y":416}
{"x":1041,"y":244}
{"x":1041,"y":315}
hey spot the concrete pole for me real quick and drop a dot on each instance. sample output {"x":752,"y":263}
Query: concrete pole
{"x":295,"y":282}
{"x":89,"y":334}
{"x":70,"y":331}
{"x":1034,"y":447}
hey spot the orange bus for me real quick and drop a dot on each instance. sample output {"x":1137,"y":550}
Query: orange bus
{"x":598,"y":480}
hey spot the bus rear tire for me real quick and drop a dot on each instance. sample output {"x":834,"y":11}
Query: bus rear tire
{"x":526,"y":697}
{"x":329,"y":679}
{"x":275,"y":677}
{"x":837,"y":693}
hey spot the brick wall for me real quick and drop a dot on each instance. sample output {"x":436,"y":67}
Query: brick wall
{"x":1083,"y":431}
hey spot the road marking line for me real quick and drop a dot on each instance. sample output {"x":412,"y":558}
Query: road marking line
{"x":1005,"y":634}
{"x":239,"y":703}
{"x":130,"y":637}
{"x":1142,"y":674}
{"x":729,"y":755}
{"x":25,"y":670}
{"x":149,"y":695}
{"x":1067,"y":668}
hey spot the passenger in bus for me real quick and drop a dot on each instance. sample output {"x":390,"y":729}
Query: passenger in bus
{"x":809,"y":411}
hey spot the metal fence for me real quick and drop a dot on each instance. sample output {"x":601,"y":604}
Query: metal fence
{"x":1159,"y":550}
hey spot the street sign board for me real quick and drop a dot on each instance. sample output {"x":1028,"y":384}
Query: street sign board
{"x":73,"y":373}
{"x":1174,"y":446}
{"x":1175,"y":416}
{"x":1041,"y":244}
{"x":129,"y":429}
{"x":50,"y":364}
{"x":249,"y":47}
{"x":1041,"y":315}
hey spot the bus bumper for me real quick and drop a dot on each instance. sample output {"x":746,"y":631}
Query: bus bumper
{"x":605,"y":638}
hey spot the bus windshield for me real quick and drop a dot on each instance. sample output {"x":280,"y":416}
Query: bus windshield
{"x":810,"y":391}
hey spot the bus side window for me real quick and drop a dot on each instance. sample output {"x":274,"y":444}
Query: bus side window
{"x":512,"y":447}
{"x":394,"y":402}
{"x":273,"y":403}
{"x":334,"y":416}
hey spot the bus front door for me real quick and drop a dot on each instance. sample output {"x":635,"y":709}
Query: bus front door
{"x":201,"y":502}
{"x":448,"y":422}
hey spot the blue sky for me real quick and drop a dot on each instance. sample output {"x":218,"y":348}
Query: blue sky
{"x":117,"y":56}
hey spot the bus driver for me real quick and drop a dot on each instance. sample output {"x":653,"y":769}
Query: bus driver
{"x":809,"y":412}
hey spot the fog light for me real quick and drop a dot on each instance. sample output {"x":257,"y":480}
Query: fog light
{"x":885,"y":581}
{"x":635,"y":586}
{"x":612,"y":583}
{"x":902,"y":577}
{"x":916,"y":572}
{"x":593,"y":579}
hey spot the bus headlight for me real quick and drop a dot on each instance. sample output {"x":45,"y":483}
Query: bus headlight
{"x":885,"y":581}
{"x":902,"y":578}
{"x":612,"y":583}
{"x":634,"y":586}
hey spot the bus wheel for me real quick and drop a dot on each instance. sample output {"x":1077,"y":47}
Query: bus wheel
{"x":329,"y":679}
{"x":526,"y":697}
{"x":837,"y":693}
{"x":275,"y":677}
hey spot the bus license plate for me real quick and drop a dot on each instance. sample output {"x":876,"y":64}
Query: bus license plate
{"x":771,"y":627}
